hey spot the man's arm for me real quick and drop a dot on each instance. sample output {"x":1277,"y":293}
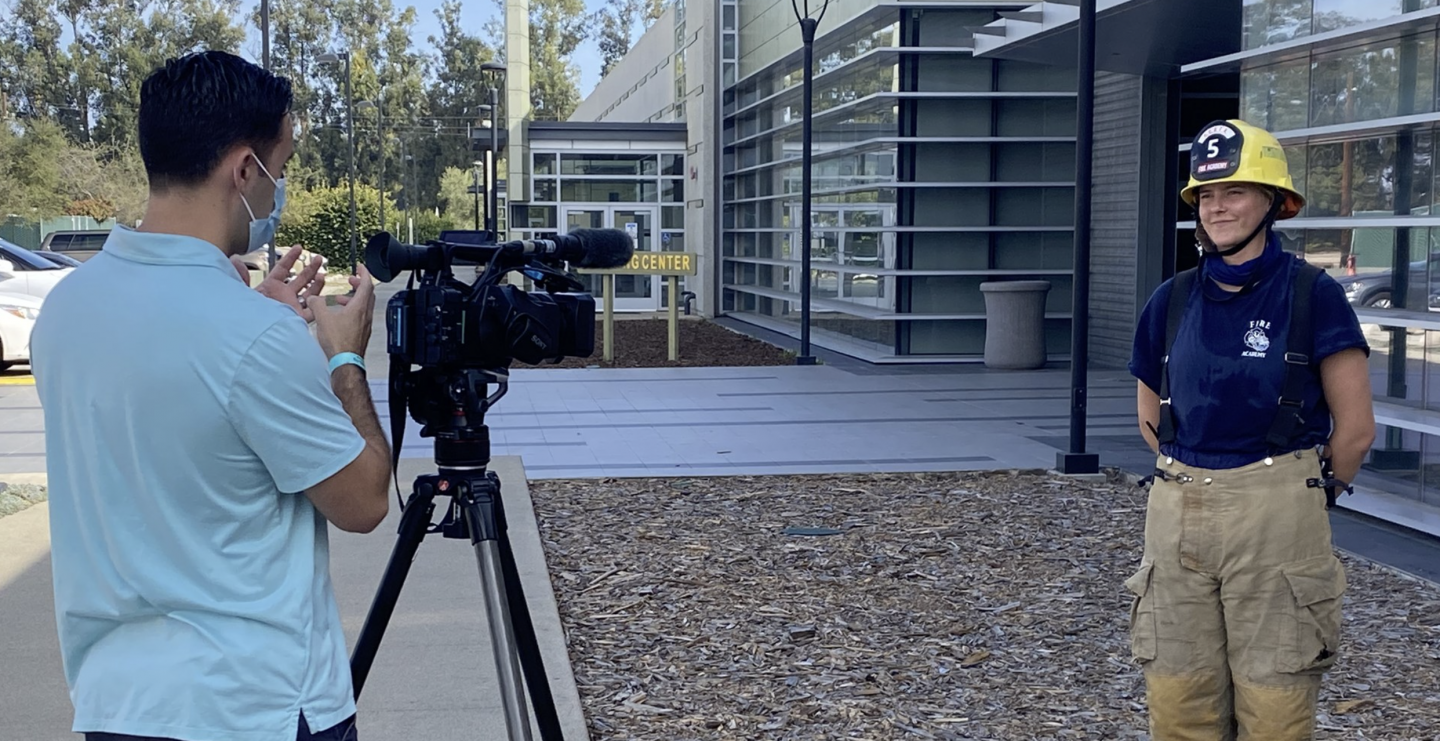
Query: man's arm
{"x":356,"y":498}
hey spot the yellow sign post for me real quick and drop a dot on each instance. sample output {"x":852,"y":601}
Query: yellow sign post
{"x":672,"y":265}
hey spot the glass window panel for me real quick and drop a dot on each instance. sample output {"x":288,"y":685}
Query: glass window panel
{"x":1012,"y":76}
{"x":608,"y":164}
{"x":1395,"y":463}
{"x":618,"y":191}
{"x":1266,"y":22}
{"x":1276,"y":98}
{"x":672,"y":241}
{"x":672,"y":191}
{"x":672,"y":217}
{"x":1333,"y":15}
{"x":540,"y":217}
{"x":672,"y":164}
{"x":1035,"y":117}
{"x":544,"y":164}
{"x":1371,"y":82}
{"x":1352,"y":178}
{"x":545,"y":190}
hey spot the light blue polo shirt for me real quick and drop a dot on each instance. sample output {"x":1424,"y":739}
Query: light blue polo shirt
{"x":185,"y":416}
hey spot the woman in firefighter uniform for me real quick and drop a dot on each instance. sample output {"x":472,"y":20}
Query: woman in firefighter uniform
{"x":1254,"y":392}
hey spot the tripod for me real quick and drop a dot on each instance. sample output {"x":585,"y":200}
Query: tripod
{"x":477,"y":512}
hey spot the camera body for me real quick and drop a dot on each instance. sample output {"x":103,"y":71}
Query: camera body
{"x":488,"y":327}
{"x":444,"y":323}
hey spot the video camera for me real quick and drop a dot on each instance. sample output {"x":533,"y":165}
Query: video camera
{"x":445,"y":323}
{"x":455,"y":331}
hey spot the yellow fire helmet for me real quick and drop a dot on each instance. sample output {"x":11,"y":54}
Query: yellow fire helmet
{"x":1236,"y":152}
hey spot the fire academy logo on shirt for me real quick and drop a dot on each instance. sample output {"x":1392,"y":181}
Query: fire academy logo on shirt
{"x":1256,"y":339}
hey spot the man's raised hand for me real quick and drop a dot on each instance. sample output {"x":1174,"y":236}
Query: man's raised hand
{"x":295,"y":291}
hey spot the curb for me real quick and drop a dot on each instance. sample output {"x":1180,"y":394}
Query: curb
{"x":539,"y":594}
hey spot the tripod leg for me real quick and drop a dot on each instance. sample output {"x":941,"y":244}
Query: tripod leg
{"x":480,"y":512}
{"x":412,"y":530}
{"x":528,"y":646}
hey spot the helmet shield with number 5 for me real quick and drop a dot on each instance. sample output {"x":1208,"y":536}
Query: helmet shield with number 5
{"x":1236,"y":152}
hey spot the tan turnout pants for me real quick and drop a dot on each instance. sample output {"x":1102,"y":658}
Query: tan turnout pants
{"x":1236,"y":610}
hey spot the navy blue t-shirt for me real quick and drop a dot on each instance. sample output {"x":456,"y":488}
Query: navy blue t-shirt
{"x":1227,"y":366}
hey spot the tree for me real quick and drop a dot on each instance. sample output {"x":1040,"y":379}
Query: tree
{"x":557,"y":28}
{"x":616,"y":20}
{"x":457,"y":201}
{"x":32,"y":171}
{"x":654,"y":9}
{"x":459,"y":89}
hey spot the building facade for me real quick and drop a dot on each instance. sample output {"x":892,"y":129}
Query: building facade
{"x":934,"y":171}
{"x":1349,"y":88}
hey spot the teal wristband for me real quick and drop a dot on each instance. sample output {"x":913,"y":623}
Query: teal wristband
{"x":344,"y":358}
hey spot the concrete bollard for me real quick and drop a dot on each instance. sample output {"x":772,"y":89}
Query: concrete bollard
{"x":1015,"y":323}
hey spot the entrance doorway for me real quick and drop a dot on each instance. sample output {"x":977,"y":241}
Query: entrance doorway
{"x":632,"y":292}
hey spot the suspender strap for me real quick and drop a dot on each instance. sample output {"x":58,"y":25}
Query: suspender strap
{"x":1298,"y":350}
{"x":1180,"y":290}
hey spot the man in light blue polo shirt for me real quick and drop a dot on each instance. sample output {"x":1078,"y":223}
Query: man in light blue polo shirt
{"x":199,"y":439}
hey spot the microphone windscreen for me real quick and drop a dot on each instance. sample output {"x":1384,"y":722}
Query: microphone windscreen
{"x":604,"y":248}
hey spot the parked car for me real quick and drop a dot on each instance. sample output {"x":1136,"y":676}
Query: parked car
{"x":17,"y":317}
{"x":63,"y":260}
{"x":23,"y":271}
{"x":80,"y":244}
{"x":1375,"y":290}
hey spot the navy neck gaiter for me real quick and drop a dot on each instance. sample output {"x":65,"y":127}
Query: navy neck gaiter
{"x":1214,"y":267}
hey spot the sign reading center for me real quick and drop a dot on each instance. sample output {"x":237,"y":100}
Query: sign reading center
{"x":672,"y":265}
{"x":655,"y":263}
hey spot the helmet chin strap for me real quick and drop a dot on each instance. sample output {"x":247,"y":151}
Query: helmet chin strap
{"x":1276,"y":202}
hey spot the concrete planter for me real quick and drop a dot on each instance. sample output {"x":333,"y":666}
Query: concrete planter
{"x":1015,"y":323}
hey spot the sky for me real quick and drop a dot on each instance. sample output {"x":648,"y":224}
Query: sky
{"x":474,"y":14}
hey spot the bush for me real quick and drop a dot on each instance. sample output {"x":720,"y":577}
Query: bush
{"x":427,"y":226}
{"x":320,"y":222}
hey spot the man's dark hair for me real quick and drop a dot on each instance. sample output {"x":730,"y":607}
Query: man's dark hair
{"x":196,"y":108}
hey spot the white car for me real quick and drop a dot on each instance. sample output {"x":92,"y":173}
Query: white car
{"x":17,"y":317}
{"x":23,"y":271}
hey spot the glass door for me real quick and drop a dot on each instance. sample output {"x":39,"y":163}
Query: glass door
{"x":632,"y":292}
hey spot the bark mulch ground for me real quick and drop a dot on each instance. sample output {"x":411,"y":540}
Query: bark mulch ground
{"x":642,"y":343}
{"x":940,"y":606}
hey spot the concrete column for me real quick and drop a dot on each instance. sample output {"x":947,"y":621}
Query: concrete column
{"x":702,"y":177}
{"x":517,"y":101}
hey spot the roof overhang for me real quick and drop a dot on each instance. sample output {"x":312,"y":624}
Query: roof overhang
{"x":607,"y":131}
{"x":1138,"y":37}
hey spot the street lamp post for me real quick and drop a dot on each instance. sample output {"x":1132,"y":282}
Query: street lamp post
{"x":331,"y":58}
{"x":1076,"y":460}
{"x":492,"y":212}
{"x":478,"y":165}
{"x":808,"y":25}
{"x":487,"y":120}
{"x":379,"y":107}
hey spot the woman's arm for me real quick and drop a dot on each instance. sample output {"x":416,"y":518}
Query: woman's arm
{"x":1147,"y":403}
{"x":1345,"y":377}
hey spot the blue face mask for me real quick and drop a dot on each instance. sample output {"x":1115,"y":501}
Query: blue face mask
{"x":262,"y":231}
